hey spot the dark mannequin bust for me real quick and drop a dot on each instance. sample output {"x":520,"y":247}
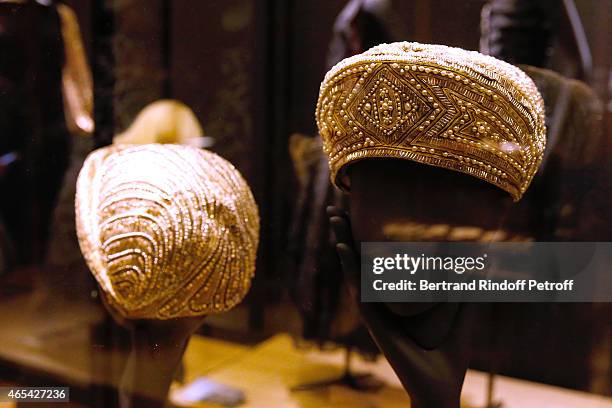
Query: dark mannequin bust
{"x":157,"y":350}
{"x":427,"y":344}
{"x":155,"y":354}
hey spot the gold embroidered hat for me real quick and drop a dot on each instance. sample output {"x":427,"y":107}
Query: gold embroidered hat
{"x":436,"y":105}
{"x":167,"y":230}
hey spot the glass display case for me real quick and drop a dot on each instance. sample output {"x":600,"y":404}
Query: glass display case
{"x":187,"y":186}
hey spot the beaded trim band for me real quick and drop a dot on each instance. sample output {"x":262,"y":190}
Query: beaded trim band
{"x":436,"y":105}
{"x":167,"y":230}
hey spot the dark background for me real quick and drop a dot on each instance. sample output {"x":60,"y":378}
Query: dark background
{"x":251,"y":69}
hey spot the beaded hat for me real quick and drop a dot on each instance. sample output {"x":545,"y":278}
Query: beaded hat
{"x":436,"y":105}
{"x":167,"y":230}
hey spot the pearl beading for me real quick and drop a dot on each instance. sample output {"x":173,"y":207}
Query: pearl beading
{"x":167,"y":230}
{"x":436,"y":105}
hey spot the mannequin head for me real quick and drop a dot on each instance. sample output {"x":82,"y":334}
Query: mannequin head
{"x":400,"y":200}
{"x":433,"y":143}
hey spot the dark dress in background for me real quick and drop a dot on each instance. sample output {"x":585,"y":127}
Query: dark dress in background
{"x":32,"y":125}
{"x":554,"y":343}
{"x":317,"y":287}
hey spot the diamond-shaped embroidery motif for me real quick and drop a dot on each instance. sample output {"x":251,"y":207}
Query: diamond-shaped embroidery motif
{"x":390,"y":107}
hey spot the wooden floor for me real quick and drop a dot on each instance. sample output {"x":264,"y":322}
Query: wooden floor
{"x":268,"y":371}
{"x":52,"y":337}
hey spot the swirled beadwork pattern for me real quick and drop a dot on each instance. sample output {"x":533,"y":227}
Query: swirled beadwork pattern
{"x":436,"y":105}
{"x":167,"y":230}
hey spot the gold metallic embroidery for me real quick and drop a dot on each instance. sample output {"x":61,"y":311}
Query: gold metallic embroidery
{"x":436,"y":105}
{"x":167,"y":230}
